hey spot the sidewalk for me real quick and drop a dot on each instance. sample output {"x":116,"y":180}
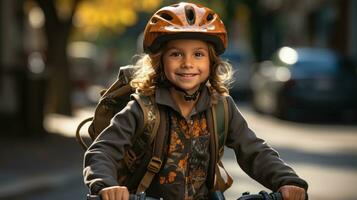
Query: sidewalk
{"x":28,"y":165}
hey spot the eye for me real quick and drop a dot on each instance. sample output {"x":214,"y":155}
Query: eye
{"x":175,"y":54}
{"x":199,"y":54}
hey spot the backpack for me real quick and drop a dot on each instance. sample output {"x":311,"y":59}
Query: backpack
{"x":151,"y":136}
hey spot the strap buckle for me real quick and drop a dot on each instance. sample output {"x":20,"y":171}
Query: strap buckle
{"x":154,"y":165}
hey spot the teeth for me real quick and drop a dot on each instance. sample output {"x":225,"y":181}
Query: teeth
{"x":187,"y":75}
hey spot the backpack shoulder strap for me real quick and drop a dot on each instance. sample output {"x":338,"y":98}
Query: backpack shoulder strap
{"x":151,"y":116}
{"x":155,"y":162}
{"x":220,"y":120}
{"x":153,"y":133}
{"x":220,"y":124}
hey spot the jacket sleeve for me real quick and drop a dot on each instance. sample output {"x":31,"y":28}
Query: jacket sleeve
{"x":102,"y":157}
{"x":256,"y":157}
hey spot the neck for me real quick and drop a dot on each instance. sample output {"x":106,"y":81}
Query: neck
{"x":184,"y":106}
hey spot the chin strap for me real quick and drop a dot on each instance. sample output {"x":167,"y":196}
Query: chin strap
{"x":187,"y":96}
{"x":190,"y":97}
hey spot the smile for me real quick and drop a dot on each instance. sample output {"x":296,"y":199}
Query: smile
{"x":186,"y":74}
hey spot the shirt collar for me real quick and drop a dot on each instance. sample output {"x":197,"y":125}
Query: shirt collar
{"x":163,"y":97}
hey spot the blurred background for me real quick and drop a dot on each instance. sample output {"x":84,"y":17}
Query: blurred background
{"x":295,"y":65}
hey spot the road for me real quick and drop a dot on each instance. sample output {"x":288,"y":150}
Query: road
{"x":323,"y":154}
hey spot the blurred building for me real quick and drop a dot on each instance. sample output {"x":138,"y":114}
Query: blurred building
{"x":21,"y":68}
{"x":315,"y":23}
{"x":11,"y":66}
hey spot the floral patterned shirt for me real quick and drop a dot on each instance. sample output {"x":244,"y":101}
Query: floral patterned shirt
{"x":187,"y":161}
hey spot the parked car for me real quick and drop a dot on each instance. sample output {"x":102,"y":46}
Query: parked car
{"x":298,"y":80}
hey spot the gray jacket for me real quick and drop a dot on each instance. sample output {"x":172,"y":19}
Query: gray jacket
{"x":253,"y":155}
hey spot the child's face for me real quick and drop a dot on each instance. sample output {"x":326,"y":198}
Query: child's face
{"x":186,"y":63}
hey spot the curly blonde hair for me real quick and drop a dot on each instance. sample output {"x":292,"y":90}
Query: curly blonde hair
{"x":150,"y":73}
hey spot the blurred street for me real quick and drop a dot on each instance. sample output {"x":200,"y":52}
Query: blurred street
{"x":289,"y":58}
{"x":325,"y":155}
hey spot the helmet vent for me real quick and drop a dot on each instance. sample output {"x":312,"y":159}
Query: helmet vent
{"x":190,"y":15}
{"x":209,"y":17}
{"x":153,"y":20}
{"x":166,"y":16}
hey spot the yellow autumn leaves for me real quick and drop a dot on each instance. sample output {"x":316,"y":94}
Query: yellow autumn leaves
{"x":112,"y":14}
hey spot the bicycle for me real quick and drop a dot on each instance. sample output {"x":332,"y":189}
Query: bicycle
{"x":141,"y":196}
{"x":263,"y":195}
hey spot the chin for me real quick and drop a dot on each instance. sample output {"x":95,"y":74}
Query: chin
{"x":190,"y":90}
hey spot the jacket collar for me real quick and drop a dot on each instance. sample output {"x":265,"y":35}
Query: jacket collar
{"x":163,"y":97}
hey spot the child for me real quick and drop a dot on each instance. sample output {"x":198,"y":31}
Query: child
{"x":183,"y":73}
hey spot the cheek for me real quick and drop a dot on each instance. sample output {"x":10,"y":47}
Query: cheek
{"x":169,"y":66}
{"x":207,"y":70}
{"x":207,"y":74}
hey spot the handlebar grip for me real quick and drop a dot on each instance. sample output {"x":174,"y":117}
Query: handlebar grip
{"x":251,"y":197}
{"x":263,"y":195}
{"x":93,"y":197}
{"x":276,"y":196}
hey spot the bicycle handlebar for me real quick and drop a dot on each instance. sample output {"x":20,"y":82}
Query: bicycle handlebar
{"x":217,"y":195}
{"x":141,"y":196}
{"x":263,"y":195}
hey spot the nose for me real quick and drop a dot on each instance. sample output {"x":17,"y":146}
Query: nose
{"x":187,"y":62}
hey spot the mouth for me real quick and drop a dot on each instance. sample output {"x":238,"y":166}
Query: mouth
{"x":186,"y":74}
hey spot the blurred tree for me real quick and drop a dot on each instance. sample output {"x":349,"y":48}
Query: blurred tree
{"x":88,"y":15}
{"x":57,"y":30}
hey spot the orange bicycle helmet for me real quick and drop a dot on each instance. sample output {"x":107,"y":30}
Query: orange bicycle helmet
{"x":183,"y":21}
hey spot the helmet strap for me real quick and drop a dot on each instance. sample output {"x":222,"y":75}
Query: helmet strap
{"x":187,"y":96}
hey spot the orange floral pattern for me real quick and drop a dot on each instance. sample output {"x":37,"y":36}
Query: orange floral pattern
{"x":188,"y":155}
